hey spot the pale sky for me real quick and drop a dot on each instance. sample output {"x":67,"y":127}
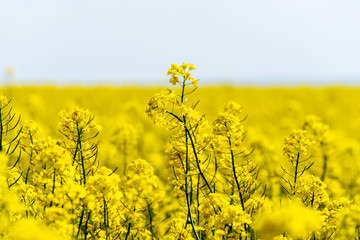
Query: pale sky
{"x":256,"y":42}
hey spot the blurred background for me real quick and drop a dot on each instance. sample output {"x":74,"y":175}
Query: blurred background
{"x":134,"y":42}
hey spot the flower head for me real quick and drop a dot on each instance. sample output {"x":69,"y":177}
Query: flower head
{"x":183,"y":70}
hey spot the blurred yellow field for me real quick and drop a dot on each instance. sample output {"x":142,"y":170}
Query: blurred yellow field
{"x":156,"y":163}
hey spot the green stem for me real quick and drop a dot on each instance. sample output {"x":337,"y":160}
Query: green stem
{"x":150,"y":221}
{"x":198,"y":203}
{"x":86,"y":225}
{"x":79,"y":133}
{"x":27,"y":175}
{"x":80,"y":222}
{"x":128,"y":231}
{"x":235,"y":176}
{"x":54,"y":180}
{"x":189,"y":209}
{"x":53,"y":187}
{"x":312,"y":199}
{"x":188,"y":200}
{"x":237,"y":184}
{"x":105,"y":218}
{"x":196,"y":158}
{"x":183,"y":91}
{"x":296,"y":170}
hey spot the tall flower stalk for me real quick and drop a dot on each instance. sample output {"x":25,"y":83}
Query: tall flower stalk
{"x":198,"y":153}
{"x":188,"y":153}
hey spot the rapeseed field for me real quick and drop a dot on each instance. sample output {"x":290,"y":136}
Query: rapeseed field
{"x":184,"y":161}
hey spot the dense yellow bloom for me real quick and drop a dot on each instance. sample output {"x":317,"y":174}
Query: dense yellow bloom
{"x":297,"y":143}
{"x":104,"y":183}
{"x":232,"y":216}
{"x":176,"y":230}
{"x":141,"y":180}
{"x":333,"y":214}
{"x":76,"y":122}
{"x":228,"y":125}
{"x":183,"y":70}
{"x":294,"y":220}
{"x":312,"y":191}
{"x":158,"y":105}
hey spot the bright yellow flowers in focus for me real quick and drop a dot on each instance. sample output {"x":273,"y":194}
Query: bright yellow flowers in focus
{"x":183,"y":70}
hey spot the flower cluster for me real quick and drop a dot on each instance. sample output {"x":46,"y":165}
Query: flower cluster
{"x":76,"y":123}
{"x":297,"y":145}
{"x":77,"y":126}
{"x":312,"y":191}
{"x":183,"y":70}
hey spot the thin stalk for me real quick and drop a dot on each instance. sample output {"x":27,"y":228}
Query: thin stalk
{"x":76,"y":150}
{"x":150,"y":221}
{"x":237,"y":184}
{"x":54,"y":178}
{"x":128,"y":231}
{"x":235,"y":176}
{"x":198,"y":203}
{"x":196,"y":158}
{"x":31,"y":156}
{"x":86,"y":225}
{"x":27,"y":175}
{"x":189,"y":209}
{"x":183,"y":91}
{"x":105,"y":218}
{"x":187,"y":194}
{"x":312,"y":199}
{"x":53,"y":187}
{"x":80,"y":222}
{"x":296,"y":170}
{"x":187,"y":166}
{"x":81,"y":152}
{"x":314,"y":237}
